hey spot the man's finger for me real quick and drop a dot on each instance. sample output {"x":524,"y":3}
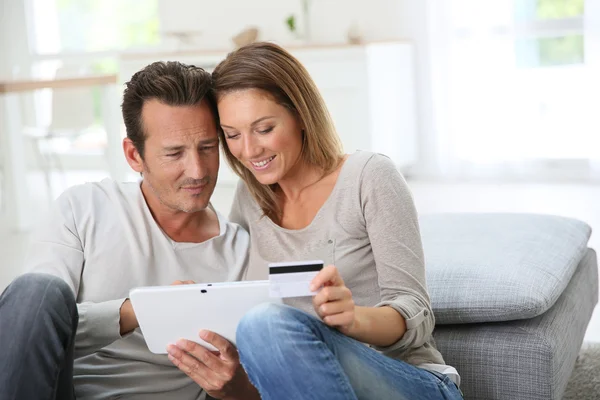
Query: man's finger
{"x":329,"y":274}
{"x":207,"y":357}
{"x":191,"y":366}
{"x":176,"y":283}
{"x":225,"y":347}
{"x":216,"y":362}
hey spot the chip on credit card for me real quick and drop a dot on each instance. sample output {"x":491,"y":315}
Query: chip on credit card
{"x":292,"y":279}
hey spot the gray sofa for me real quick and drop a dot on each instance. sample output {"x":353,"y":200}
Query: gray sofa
{"x":512,"y":296}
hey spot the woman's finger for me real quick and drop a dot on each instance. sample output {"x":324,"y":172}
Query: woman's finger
{"x":335,"y":307}
{"x":344,"y":319}
{"x":328,"y":276}
{"x":331,"y":293}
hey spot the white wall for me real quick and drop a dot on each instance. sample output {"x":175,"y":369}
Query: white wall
{"x":330,"y":19}
{"x":14,"y":49}
{"x":416,"y":22}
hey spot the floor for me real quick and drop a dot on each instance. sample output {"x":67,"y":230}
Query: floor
{"x":573,"y":200}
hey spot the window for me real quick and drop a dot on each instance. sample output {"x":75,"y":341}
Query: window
{"x":76,"y":26}
{"x":549,"y":32}
{"x":75,"y":37}
{"x":519,"y":82}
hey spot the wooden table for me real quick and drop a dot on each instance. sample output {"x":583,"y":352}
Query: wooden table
{"x":11,"y":138}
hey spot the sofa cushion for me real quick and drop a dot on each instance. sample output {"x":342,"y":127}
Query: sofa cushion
{"x":499,"y":267}
{"x":529,"y":359}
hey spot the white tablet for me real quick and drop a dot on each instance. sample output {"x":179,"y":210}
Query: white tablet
{"x":169,"y":313}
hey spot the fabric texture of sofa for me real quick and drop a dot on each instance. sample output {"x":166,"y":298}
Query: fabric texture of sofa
{"x":512,"y":296}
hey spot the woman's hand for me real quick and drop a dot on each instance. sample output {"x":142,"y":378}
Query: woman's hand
{"x":381,"y":326}
{"x":334,"y":303}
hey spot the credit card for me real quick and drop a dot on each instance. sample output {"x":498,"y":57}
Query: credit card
{"x":292,"y":279}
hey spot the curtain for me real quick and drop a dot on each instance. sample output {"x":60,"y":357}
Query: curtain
{"x":515,"y":88}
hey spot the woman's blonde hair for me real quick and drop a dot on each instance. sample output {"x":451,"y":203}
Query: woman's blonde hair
{"x":268,"y":67}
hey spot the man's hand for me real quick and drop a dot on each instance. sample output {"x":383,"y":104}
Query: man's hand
{"x":218,"y":372}
{"x":182,"y":283}
{"x":127,"y":319}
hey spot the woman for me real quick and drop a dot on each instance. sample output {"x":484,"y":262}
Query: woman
{"x":303,"y":199}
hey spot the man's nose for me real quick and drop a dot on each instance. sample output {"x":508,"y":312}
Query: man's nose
{"x":195,"y":167}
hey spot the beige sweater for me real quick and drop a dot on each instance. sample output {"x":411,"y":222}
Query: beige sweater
{"x":368,"y":229}
{"x":103,"y":241}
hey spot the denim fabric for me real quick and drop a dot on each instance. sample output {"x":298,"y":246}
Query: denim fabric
{"x":38,"y":322}
{"x":291,"y":355}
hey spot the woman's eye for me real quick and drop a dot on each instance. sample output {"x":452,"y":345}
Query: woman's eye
{"x":265,"y":131}
{"x":233,"y":136}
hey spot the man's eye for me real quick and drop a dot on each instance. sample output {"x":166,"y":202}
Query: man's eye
{"x":174,"y":154}
{"x":208,"y":148}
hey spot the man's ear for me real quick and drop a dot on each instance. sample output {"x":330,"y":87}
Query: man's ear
{"x":133,"y":157}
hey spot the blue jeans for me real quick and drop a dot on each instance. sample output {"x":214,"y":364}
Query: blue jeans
{"x":38,"y":321}
{"x":289,"y":354}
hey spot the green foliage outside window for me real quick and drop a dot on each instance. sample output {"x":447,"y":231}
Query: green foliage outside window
{"x":104,"y":25}
{"x":551,"y":51}
{"x":98,"y":25}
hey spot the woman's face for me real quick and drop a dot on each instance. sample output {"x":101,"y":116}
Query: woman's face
{"x":264,"y":136}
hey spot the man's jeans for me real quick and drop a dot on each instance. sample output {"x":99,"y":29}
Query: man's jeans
{"x":291,"y":355}
{"x":38,"y":321}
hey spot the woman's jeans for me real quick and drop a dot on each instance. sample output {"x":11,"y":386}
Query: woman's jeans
{"x":290,"y":355}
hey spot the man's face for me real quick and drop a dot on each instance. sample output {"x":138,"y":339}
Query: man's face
{"x":181,"y":155}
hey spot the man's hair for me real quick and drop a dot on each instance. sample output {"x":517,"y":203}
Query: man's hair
{"x":172,"y":83}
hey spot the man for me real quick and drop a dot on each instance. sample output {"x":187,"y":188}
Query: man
{"x":105,"y":238}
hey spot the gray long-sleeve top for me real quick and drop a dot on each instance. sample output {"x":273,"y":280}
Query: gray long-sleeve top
{"x":102,"y":240}
{"x":368,"y":229}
